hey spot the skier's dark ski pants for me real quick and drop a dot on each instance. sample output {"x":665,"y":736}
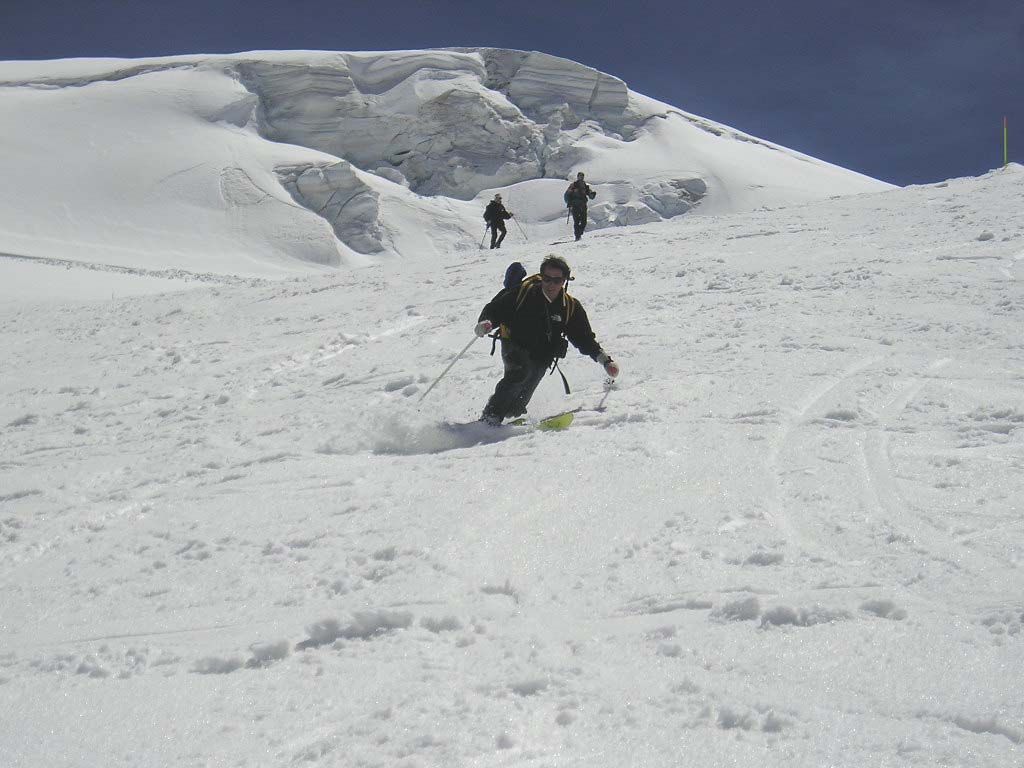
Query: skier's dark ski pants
{"x":579,"y":219}
{"x":513,"y":392}
{"x":495,"y":227}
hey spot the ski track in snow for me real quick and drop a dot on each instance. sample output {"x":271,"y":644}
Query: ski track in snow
{"x":167,"y":274}
{"x":792,"y":536}
{"x":778,"y":515}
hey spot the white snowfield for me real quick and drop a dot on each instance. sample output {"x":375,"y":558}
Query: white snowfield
{"x":271,"y":164}
{"x":230,"y":535}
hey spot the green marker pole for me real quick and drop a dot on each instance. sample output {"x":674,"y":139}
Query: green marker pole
{"x":1004,"y":143}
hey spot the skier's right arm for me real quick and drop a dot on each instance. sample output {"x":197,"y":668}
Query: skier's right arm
{"x":499,"y":308}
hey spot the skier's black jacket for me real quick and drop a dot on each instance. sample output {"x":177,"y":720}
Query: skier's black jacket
{"x":578,"y":193}
{"x":539,"y":326}
{"x":495,"y":211}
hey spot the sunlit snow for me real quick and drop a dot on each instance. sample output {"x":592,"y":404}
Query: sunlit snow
{"x":231,"y":533}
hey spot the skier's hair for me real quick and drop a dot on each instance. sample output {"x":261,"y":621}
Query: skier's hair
{"x":552,"y":260}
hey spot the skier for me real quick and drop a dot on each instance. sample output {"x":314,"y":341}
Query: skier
{"x":495,"y":215}
{"x":537,"y":319}
{"x":576,"y":197}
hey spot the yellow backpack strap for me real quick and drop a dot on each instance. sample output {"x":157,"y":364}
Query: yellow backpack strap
{"x":532,"y":280}
{"x":525,"y":287}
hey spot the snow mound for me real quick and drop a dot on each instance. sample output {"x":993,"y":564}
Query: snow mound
{"x":279,"y":163}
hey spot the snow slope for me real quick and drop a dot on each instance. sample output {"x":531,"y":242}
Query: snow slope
{"x":270,"y":164}
{"x":792,"y":535}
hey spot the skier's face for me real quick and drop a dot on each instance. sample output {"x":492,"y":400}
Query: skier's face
{"x":552,"y":281}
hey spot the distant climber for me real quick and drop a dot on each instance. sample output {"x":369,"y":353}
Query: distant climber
{"x":576,"y":198}
{"x":495,"y":215}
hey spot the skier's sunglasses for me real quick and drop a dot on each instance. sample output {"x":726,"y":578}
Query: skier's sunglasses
{"x":559,"y":280}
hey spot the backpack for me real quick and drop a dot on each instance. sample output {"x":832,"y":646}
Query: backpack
{"x":524,"y":288}
{"x":493,"y":212}
{"x":516,"y":280}
{"x":514,"y":275}
{"x":577,"y":192}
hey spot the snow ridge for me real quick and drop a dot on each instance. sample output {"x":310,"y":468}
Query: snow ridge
{"x":291,"y":162}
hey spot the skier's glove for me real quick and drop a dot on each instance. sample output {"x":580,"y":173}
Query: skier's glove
{"x":483,"y":328}
{"x":610,"y":366}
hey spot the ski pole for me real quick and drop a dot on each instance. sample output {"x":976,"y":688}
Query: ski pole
{"x":608,"y":384}
{"x":521,"y":229}
{"x":453,"y":362}
{"x":517,"y":220}
{"x":486,"y":227}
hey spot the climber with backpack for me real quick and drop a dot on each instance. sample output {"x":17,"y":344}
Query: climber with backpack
{"x":536,"y":319}
{"x":576,"y":198}
{"x":495,"y":216}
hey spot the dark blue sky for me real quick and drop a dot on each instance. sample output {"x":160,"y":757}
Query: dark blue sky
{"x":909,"y":91}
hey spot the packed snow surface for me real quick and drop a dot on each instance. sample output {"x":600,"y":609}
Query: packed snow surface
{"x":790,"y":535}
{"x":236,"y":530}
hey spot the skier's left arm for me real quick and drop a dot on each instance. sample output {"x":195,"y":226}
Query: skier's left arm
{"x":579,"y":332}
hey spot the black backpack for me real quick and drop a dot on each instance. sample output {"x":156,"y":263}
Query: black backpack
{"x":516,"y":280}
{"x":514,"y":275}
